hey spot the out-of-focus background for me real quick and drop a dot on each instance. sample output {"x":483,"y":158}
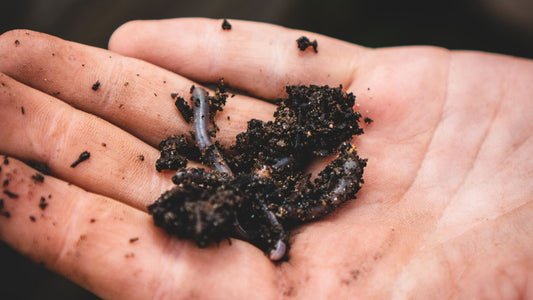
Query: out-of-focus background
{"x":502,"y":26}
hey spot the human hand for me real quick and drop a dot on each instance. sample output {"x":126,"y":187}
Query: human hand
{"x":445,"y":209}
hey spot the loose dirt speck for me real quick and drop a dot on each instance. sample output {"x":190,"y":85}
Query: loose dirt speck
{"x":226,"y":25}
{"x":42,"y":203}
{"x":96,"y":85}
{"x":11,"y":194}
{"x":304,"y":43}
{"x":37,"y":177}
{"x":83,"y":157}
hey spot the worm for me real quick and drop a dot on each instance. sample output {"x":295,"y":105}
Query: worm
{"x":201,"y":134}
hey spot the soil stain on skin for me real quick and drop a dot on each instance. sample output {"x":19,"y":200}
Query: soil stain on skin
{"x":258,"y":189}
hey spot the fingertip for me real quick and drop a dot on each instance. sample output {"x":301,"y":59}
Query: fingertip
{"x":122,"y":40}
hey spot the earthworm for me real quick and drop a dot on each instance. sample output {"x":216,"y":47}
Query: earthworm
{"x":201,"y":125}
{"x":280,"y":247}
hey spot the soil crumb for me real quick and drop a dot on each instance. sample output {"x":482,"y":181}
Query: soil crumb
{"x":304,"y":43}
{"x":39,"y":166}
{"x":368,"y":120}
{"x":226,"y":25}
{"x":96,"y":85}
{"x":11,"y":194}
{"x":42,"y":203}
{"x":37,"y":177}
{"x":83,"y":157}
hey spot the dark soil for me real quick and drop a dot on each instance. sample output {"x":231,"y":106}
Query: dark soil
{"x":83,"y":157}
{"x":304,"y":43}
{"x":226,"y":25}
{"x":96,"y":85}
{"x":39,"y":166}
{"x":257,"y":189}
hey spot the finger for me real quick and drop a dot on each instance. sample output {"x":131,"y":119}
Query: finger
{"x":256,"y":57}
{"x":36,"y":126}
{"x":114,"y":250}
{"x":130,"y":93}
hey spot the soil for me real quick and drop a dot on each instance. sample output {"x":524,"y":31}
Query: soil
{"x":257,"y":189}
{"x":226,"y":25}
{"x":96,"y":85}
{"x":11,"y":194}
{"x":83,"y":157}
{"x":304,"y":43}
{"x":37,"y":177}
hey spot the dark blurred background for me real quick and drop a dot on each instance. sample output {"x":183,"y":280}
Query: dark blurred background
{"x":503,"y":26}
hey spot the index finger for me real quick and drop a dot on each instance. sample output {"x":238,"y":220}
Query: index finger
{"x":255,"y":57}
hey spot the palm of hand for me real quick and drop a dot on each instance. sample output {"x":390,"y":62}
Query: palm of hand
{"x":444,"y":210}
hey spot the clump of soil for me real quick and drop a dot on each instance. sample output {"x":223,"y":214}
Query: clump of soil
{"x":258,"y":189}
{"x":226,"y":25}
{"x":83,"y":157}
{"x":304,"y":43}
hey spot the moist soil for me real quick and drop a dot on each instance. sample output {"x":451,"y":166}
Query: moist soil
{"x":257,"y":189}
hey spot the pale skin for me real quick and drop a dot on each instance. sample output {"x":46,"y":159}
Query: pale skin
{"x":445,"y":211}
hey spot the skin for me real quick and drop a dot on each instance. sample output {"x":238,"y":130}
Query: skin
{"x":445,"y":211}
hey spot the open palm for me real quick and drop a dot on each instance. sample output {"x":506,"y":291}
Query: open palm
{"x":445,"y":210}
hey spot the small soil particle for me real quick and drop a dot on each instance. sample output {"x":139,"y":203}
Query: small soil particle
{"x":183,"y":107}
{"x":6,"y":160}
{"x":6,"y":214}
{"x":368,"y":120}
{"x":32,"y":218}
{"x":5,"y":183}
{"x":37,"y":177}
{"x":39,"y":166}
{"x":141,"y":157}
{"x":96,"y":85}
{"x":92,"y":220}
{"x":226,"y":25}
{"x":133,"y":240}
{"x":83,"y":157}
{"x":17,"y":42}
{"x":304,"y":43}
{"x":11,"y":194}
{"x":22,"y":109}
{"x":42,"y":203}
